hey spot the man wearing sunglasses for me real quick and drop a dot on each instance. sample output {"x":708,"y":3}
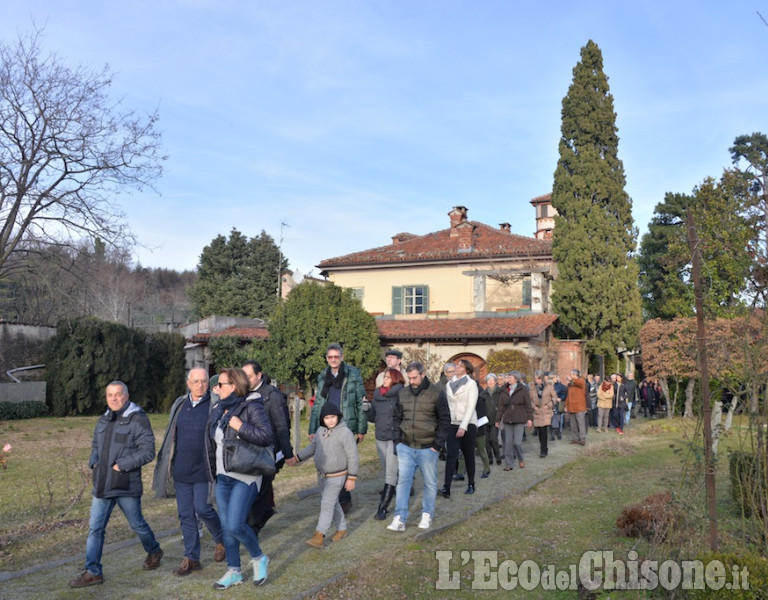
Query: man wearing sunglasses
{"x":341,"y":385}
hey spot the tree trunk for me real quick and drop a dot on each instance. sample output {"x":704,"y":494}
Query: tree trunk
{"x":665,"y":390}
{"x":688,"y":414}
{"x":731,"y":411}
{"x":716,"y":423}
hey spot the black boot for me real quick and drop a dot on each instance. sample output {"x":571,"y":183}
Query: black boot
{"x":381,"y":513}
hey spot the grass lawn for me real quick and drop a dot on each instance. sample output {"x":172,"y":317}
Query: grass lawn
{"x":554,"y":522}
{"x":45,"y":491}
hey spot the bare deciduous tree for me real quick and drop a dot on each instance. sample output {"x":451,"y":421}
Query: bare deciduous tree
{"x":65,"y":149}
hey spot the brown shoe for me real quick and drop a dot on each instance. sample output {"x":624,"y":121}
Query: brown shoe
{"x":522,"y":464}
{"x":187,"y":566}
{"x":316,"y":541}
{"x":152,"y":561}
{"x":339,"y":535}
{"x":219,"y":553}
{"x":85,"y":579}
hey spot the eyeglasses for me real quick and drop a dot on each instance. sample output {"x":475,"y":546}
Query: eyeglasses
{"x":223,"y":383}
{"x":333,"y":356}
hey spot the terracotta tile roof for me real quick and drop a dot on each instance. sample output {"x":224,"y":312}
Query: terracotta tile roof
{"x":541,"y":199}
{"x":487,"y":242}
{"x":243,"y":333}
{"x":471,"y":329}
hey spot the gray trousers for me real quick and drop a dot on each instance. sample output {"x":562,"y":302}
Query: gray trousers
{"x":603,"y":416}
{"x":578,"y":426}
{"x":513,"y":443}
{"x":330,"y":509}
{"x":386,"y":450}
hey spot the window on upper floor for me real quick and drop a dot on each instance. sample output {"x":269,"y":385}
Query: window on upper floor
{"x":526,"y":292}
{"x":544,"y":210}
{"x":410,"y":299}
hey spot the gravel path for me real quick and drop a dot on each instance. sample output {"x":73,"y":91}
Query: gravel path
{"x":295,"y":570}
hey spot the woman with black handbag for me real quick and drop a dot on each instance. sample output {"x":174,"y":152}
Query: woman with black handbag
{"x":237,"y":420}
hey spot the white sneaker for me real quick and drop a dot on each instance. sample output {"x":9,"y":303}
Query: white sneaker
{"x":396,"y":524}
{"x":426,"y":521}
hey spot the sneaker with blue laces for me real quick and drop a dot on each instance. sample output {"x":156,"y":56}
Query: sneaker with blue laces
{"x":231,"y":577}
{"x":260,"y":569}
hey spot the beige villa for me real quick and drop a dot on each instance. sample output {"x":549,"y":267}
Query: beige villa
{"x":459,"y":292}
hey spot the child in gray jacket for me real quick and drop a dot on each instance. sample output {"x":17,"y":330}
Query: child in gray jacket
{"x":336,"y":461}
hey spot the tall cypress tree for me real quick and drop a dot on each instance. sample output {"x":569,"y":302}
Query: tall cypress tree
{"x":596,"y":292}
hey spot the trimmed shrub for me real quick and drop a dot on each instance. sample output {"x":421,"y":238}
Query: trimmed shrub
{"x":165,"y":370}
{"x":86,"y":354}
{"x":30,"y":409}
{"x":503,"y":361}
{"x":748,"y":483}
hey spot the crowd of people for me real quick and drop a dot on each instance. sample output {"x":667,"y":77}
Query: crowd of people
{"x":417,"y":423}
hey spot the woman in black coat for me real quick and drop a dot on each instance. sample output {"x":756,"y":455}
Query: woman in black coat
{"x":381,"y":413}
{"x":235,"y":416}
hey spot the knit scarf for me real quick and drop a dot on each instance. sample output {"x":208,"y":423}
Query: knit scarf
{"x":390,"y":393}
{"x":457,"y":383}
{"x":223,"y":412}
{"x":331,"y":381}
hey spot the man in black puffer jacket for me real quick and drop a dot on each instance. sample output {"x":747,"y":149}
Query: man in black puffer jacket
{"x":123,"y":442}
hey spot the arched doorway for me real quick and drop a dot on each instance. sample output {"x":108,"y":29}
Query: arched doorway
{"x":481,"y":370}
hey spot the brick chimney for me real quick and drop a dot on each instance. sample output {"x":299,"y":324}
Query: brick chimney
{"x":458,"y":215}
{"x":402,"y":237}
{"x":505,"y":227}
{"x":465,"y":233}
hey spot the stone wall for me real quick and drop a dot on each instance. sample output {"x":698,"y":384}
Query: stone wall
{"x":23,"y":392}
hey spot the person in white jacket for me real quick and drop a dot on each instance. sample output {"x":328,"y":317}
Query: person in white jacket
{"x":462,"y":393}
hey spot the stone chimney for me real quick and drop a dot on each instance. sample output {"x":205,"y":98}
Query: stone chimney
{"x":458,"y":215}
{"x":505,"y":227}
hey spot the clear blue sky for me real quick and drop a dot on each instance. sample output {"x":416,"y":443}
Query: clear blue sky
{"x":353,"y":120}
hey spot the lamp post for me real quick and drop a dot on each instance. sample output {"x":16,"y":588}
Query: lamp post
{"x":280,"y":261}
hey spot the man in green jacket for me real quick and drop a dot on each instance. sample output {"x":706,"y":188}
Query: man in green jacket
{"x":341,"y":385}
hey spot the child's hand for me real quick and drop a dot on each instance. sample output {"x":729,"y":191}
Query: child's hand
{"x":349,"y":485}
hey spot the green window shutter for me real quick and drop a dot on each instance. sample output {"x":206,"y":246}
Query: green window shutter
{"x":397,"y":300}
{"x":426,"y":298}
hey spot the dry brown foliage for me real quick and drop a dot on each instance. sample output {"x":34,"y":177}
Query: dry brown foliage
{"x":669,"y":347}
{"x":650,"y":519}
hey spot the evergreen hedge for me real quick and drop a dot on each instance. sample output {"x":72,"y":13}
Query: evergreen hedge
{"x":86,"y":354}
{"x":22,"y":410}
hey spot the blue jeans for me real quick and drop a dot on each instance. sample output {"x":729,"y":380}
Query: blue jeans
{"x":191,"y":499}
{"x":101,"y":509}
{"x":234,"y":499}
{"x":408,"y":460}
